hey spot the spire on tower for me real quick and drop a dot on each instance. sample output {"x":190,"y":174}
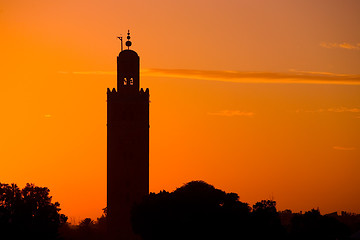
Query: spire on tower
{"x":128,"y":42}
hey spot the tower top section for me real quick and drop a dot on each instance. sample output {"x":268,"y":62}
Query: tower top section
{"x":128,"y":69}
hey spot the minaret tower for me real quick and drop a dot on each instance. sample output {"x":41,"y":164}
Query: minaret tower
{"x":127,"y":144}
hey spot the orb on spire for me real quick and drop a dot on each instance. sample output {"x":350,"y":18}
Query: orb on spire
{"x":128,"y":42}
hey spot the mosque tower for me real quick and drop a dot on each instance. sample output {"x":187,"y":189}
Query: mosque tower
{"x":127,"y":144}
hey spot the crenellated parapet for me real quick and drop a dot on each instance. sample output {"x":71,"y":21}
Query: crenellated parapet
{"x":145,"y":93}
{"x":109,"y":91}
{"x":142,"y":95}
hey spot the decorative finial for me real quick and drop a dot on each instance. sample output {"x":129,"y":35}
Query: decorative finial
{"x":128,"y":42}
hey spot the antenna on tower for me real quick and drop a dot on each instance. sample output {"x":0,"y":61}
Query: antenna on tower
{"x":121,"y":42}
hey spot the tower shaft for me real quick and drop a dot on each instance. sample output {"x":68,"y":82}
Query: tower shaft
{"x":127,"y":146}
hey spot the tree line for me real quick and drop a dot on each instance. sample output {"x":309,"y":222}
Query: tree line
{"x":196,"y":210}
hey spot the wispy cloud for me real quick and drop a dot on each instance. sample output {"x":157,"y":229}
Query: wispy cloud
{"x":344,"y":45}
{"x":292,"y":76}
{"x":47,"y":116}
{"x":343,"y":148}
{"x":232,"y":113}
{"x":344,"y":109}
{"x":335,"y":110}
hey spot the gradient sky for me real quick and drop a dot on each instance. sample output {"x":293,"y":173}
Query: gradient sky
{"x":257,"y":97}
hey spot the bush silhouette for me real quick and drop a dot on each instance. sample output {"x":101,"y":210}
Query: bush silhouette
{"x":196,"y":210}
{"x":28,"y":213}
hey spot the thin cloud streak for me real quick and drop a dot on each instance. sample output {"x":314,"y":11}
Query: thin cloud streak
{"x":232,"y":113}
{"x":335,"y":110}
{"x":343,"y":45}
{"x":343,"y":148}
{"x":291,"y":77}
{"x":344,"y":109}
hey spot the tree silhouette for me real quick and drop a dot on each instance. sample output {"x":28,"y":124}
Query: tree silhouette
{"x":87,"y":229}
{"x":312,"y":225}
{"x":28,"y":213}
{"x":266,"y":221}
{"x":196,"y":210}
{"x":87,"y":222}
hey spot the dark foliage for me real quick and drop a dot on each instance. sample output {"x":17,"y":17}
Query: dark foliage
{"x":312,"y":225}
{"x":87,"y":229}
{"x":197,"y":210}
{"x":351,"y":220}
{"x":28,"y":213}
{"x":266,"y":221}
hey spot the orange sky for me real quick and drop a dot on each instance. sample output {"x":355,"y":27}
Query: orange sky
{"x":257,"y":97}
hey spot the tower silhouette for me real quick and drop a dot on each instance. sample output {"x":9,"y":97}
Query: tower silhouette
{"x":127,"y":144}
